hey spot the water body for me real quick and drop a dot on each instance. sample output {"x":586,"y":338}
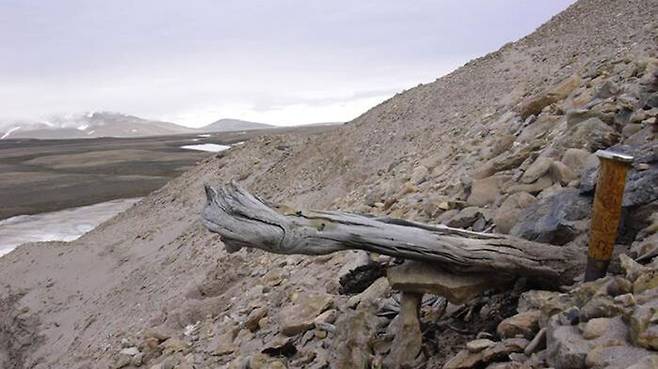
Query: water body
{"x":206,"y":147}
{"x":63,"y":225}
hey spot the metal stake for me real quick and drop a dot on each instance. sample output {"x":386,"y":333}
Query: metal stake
{"x":606,"y":212}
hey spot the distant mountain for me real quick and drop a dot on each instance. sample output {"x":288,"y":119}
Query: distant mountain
{"x":225,"y":125}
{"x":90,"y":125}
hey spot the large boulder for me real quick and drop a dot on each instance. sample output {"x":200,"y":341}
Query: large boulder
{"x":551,"y":220}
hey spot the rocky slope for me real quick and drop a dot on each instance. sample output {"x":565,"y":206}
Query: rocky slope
{"x":503,"y":144}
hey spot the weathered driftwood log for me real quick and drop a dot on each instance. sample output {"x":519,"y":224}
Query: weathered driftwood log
{"x":244,"y":220}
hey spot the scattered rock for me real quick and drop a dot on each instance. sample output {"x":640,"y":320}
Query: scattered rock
{"x":525,"y":324}
{"x":537,"y":169}
{"x":376,"y":290}
{"x":591,"y":135}
{"x":466,"y":217}
{"x":251,"y":323}
{"x":539,"y":185}
{"x":298,"y":318}
{"x":509,"y":211}
{"x":479,"y":345}
{"x":485,"y":191}
{"x":575,"y":159}
{"x":595,"y":328}
{"x":562,"y":174}
{"x":419,"y":175}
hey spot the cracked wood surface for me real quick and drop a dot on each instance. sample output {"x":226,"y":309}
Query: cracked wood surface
{"x":244,"y":220}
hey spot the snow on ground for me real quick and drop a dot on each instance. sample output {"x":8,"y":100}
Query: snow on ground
{"x":63,"y":225}
{"x":203,"y":135}
{"x":9,"y":132}
{"x":206,"y":147}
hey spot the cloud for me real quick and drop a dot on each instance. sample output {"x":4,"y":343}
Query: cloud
{"x":283,"y":62}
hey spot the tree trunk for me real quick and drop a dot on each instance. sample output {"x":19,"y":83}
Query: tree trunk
{"x":244,"y":220}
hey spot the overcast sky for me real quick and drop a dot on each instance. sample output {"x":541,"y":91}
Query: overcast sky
{"x":278,"y":61}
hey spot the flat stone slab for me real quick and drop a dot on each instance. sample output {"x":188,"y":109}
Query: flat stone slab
{"x":418,"y":277}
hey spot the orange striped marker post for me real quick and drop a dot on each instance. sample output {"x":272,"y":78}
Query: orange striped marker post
{"x":606,"y":212}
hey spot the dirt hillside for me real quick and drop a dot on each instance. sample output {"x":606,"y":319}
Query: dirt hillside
{"x":513,"y":130}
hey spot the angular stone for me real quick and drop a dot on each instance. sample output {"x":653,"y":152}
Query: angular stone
{"x":539,"y":185}
{"x":251,"y":323}
{"x":466,"y":217}
{"x":377,"y":289}
{"x":501,"y":350}
{"x":592,"y":134}
{"x":420,"y":277}
{"x":646,"y":281}
{"x":354,"y":333}
{"x":602,"y":306}
{"x":298,"y":318}
{"x":575,"y":116}
{"x":595,"y":328}
{"x":537,"y":169}
{"x":419,"y":175}
{"x":575,"y":159}
{"x":616,"y":357}
{"x":508,"y":213}
{"x":631,"y":268}
{"x":562,"y":173}
{"x":328,"y":317}
{"x":525,"y":324}
{"x":551,"y":220}
{"x":566,"y":349}
{"x":484,"y":191}
{"x":643,"y":325}
{"x":648,"y":362}
{"x":223,"y":344}
{"x":464,"y":360}
{"x":479,"y":345}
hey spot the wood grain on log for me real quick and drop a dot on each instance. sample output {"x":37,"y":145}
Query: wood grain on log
{"x":244,"y":220}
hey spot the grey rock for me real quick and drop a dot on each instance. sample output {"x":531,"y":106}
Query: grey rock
{"x":466,"y":217}
{"x":525,"y":324}
{"x":617,"y":357}
{"x":537,"y":169}
{"x":486,"y":190}
{"x":592,"y":134}
{"x":551,"y":220}
{"x":509,"y":211}
{"x":640,"y":184}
